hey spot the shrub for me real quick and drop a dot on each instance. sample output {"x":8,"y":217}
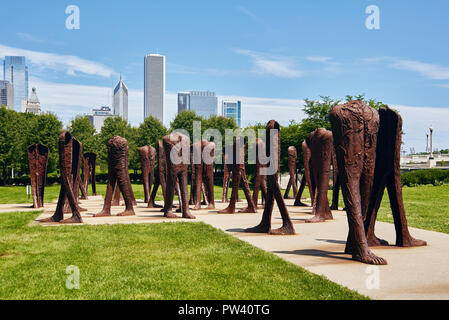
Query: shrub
{"x":433,"y":177}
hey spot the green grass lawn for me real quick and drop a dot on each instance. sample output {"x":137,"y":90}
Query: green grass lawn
{"x":158,"y":261}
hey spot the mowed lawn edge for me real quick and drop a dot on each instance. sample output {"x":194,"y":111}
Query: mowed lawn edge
{"x":173,"y":260}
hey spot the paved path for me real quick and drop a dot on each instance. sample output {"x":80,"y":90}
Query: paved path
{"x":412,"y":273}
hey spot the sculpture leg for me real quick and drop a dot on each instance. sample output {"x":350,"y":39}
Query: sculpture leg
{"x":184,"y":195}
{"x":110,"y":191}
{"x":116,"y":198}
{"x":235,"y":190}
{"x":251,"y":208}
{"x":298,"y":202}
{"x":198,"y":186}
{"x":336,"y":184}
{"x":169,"y":196}
{"x":209,"y":185}
{"x":151,"y":202}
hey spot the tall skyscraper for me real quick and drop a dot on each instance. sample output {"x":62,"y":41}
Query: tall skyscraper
{"x":233,"y":109}
{"x":15,"y":71}
{"x":120,"y":100}
{"x":204,"y":103}
{"x":154,"y":92}
{"x":6,"y":94}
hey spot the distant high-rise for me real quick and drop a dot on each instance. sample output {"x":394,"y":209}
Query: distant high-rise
{"x":6,"y":94}
{"x":154,"y":92}
{"x":204,"y":103}
{"x":233,"y":109}
{"x":120,"y":100}
{"x":99,"y":116}
{"x":15,"y":71}
{"x":32,"y":105}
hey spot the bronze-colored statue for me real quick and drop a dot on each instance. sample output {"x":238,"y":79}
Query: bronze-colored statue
{"x":239,"y":174}
{"x":274,"y":190}
{"x":335,"y":182}
{"x":260,"y":181}
{"x":292,"y":158}
{"x":302,"y":186}
{"x":321,"y":145}
{"x":38,"y":159}
{"x":90,"y":163}
{"x":159,"y":179}
{"x":177,"y":149}
{"x":69,"y":151}
{"x":203,"y":174}
{"x":75,"y":176}
{"x":388,"y":173}
{"x":118,"y":174}
{"x":147,"y":160}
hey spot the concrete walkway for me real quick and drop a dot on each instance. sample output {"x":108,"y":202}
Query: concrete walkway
{"x":412,"y":273}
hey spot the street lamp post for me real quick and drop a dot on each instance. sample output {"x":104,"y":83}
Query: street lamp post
{"x":431,"y":144}
{"x":427,"y":145}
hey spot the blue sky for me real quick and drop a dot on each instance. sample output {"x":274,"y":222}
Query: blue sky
{"x":283,"y":50}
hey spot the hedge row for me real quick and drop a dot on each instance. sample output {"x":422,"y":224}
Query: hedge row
{"x":434,"y":177}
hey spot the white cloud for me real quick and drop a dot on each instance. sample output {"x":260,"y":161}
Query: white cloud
{"x":319,"y":59}
{"x":428,"y":70}
{"x":275,"y":65}
{"x":72,"y":65}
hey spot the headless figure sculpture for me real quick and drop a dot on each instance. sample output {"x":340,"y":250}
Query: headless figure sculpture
{"x":292,"y":158}
{"x":388,"y":173}
{"x":38,"y":159}
{"x":118,"y":175}
{"x":238,"y":174}
{"x":68,"y":151}
{"x":147,"y":156}
{"x":203,"y":173}
{"x":159,"y":179}
{"x":90,"y":160}
{"x":321,"y":145}
{"x":274,"y":190}
{"x":177,"y":149}
{"x":260,"y":181}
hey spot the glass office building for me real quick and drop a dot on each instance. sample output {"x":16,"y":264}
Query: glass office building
{"x":6,"y":94}
{"x":204,"y":103}
{"x":233,"y":109}
{"x":15,"y":71}
{"x":120,"y":100}
{"x":154,"y":92}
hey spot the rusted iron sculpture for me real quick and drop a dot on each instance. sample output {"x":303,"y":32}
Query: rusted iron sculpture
{"x":260,"y":181}
{"x":147,"y":161}
{"x":177,"y":149}
{"x":302,"y":186}
{"x":292,"y":158}
{"x":238,"y":175}
{"x":90,"y":163}
{"x":388,"y":173}
{"x":203,"y":173}
{"x":159,"y":179}
{"x":367,"y":145}
{"x":118,"y":175}
{"x":274,"y":190}
{"x":335,"y":182}
{"x":69,"y":151}
{"x":321,"y":144}
{"x":38,"y":159}
{"x":75,"y":176}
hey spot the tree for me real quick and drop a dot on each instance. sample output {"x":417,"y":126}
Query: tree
{"x":184,"y":120}
{"x":150,"y":132}
{"x":82,"y":129}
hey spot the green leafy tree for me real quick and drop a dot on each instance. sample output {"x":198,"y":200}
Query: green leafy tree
{"x":150,"y":132}
{"x":82,"y":129}
{"x":184,"y":120}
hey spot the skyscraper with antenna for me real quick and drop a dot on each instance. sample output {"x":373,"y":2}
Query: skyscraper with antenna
{"x":120,"y":100}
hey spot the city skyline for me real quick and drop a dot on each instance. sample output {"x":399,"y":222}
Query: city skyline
{"x":270,"y":57}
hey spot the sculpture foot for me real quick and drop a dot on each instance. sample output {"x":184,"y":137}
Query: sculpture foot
{"x":228,"y":210}
{"x":170,"y":215}
{"x":210,"y":206}
{"x":102,"y":214}
{"x":300,"y":204}
{"x":316,"y":219}
{"x":285,"y":230}
{"x":376,"y":242}
{"x":197,"y":207}
{"x":72,"y":220}
{"x":83,"y":210}
{"x":412,"y":242}
{"x":49,"y":220}
{"x":188,"y":215}
{"x":261,"y":228}
{"x":153,"y":205}
{"x":248,"y":210}
{"x":179,"y":210}
{"x":126,"y":213}
{"x":370,"y":258}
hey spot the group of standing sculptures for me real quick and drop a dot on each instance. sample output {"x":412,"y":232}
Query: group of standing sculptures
{"x":362,"y":151}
